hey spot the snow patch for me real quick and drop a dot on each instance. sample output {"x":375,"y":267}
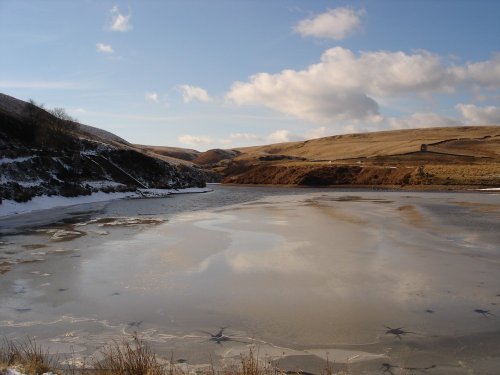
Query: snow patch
{"x":15,"y":160}
{"x":37,"y":182}
{"x":158,"y":193}
{"x":102,"y":184}
{"x":44,"y":202}
{"x":13,"y":371}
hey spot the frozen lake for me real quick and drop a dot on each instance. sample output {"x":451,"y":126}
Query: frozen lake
{"x":375,"y":279}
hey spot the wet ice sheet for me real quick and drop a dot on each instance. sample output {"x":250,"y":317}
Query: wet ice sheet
{"x":304,"y":276}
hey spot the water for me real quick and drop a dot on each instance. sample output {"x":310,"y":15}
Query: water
{"x":302,"y":274}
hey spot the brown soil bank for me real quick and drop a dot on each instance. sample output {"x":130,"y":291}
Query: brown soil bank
{"x":321,"y":175}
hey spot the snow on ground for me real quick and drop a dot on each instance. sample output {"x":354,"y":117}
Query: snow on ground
{"x":30,"y":183}
{"x":44,"y":202}
{"x":102,"y":184}
{"x":490,"y":189}
{"x":165,"y":192}
{"x":13,"y":371}
{"x":15,"y":160}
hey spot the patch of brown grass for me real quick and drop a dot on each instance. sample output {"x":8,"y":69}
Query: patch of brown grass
{"x":250,"y":364}
{"x":481,"y":174}
{"x":129,"y":358}
{"x":28,"y":355}
{"x":382,"y":143}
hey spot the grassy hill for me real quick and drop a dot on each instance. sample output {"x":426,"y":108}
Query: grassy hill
{"x":451,"y":156}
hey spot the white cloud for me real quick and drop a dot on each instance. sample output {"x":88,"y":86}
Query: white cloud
{"x":340,"y":87}
{"x":350,"y":129}
{"x":152,"y":96}
{"x":241,"y":139}
{"x":480,"y":115}
{"x":106,"y":48}
{"x":190,"y":93}
{"x":317,"y":133}
{"x":422,"y":120}
{"x":482,"y":73}
{"x":119,"y":22}
{"x":304,"y":96}
{"x":244,"y":137}
{"x":347,"y":87}
{"x":193,"y":140}
{"x":280,"y":136}
{"x":333,"y":24}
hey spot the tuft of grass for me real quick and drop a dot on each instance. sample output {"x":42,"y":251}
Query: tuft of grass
{"x":28,"y":355}
{"x":128,"y":358}
{"x":251,"y":365}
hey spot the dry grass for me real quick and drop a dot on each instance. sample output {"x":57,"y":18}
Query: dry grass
{"x":481,"y":174}
{"x":132,"y":358}
{"x":27,"y":355}
{"x":128,"y":358}
{"x":382,"y":143}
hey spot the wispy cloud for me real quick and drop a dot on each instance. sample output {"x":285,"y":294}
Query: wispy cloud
{"x":191,"y":93}
{"x":152,"y":97}
{"x":422,"y":120}
{"x":317,"y":133}
{"x":105,"y":48}
{"x":241,"y":139}
{"x":333,"y":24}
{"x":194,"y":140}
{"x":280,"y":136}
{"x":119,"y":21}
{"x":244,"y":137}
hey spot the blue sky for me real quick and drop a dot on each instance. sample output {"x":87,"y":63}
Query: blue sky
{"x":208,"y":73}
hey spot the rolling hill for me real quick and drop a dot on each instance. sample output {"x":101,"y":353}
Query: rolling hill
{"x":447,"y":156}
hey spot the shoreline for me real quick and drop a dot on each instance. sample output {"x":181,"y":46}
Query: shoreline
{"x":409,"y":188}
{"x":9,"y":208}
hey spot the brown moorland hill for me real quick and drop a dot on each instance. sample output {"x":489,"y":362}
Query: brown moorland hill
{"x":214,"y":157}
{"x":186,"y":154}
{"x":472,"y":139}
{"x":448,"y":156}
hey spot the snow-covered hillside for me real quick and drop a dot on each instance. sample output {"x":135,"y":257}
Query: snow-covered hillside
{"x":43,"y":155}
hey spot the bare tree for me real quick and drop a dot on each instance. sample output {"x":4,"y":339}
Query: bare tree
{"x":62,"y":121}
{"x":61,"y":114}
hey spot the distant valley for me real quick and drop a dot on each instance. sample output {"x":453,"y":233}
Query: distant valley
{"x":43,"y":154}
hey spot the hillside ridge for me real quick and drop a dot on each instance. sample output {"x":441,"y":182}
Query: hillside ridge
{"x":444,"y":156}
{"x":42,"y":154}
